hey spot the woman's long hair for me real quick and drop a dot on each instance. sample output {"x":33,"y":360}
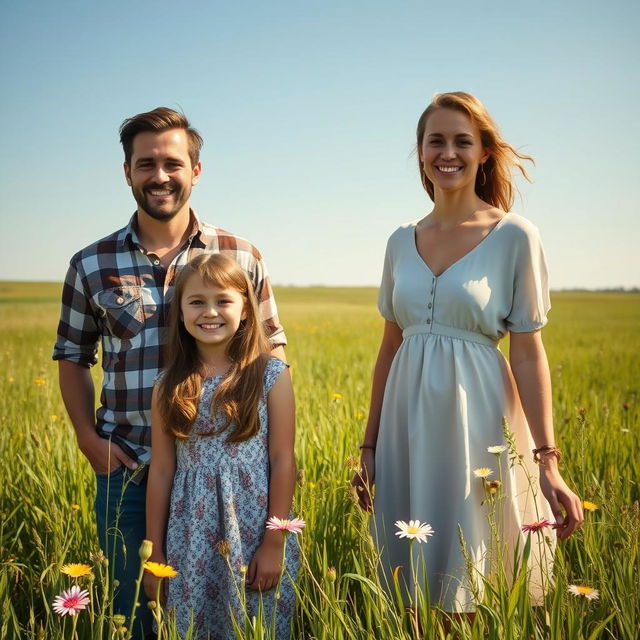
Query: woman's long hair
{"x":496,"y":187}
{"x":239,"y":393}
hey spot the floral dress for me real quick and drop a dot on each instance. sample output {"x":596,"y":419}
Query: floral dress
{"x":220,"y":494}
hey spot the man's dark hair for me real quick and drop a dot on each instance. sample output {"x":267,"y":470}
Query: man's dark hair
{"x":158,"y":120}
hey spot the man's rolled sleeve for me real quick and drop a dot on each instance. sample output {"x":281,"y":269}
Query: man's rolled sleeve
{"x":267,"y":306}
{"x":78,"y":331}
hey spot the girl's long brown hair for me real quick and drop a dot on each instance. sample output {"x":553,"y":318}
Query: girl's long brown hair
{"x":239,"y":393}
{"x":498,"y":187}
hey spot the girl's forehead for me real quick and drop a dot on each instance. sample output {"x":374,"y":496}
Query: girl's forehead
{"x":195,"y":283}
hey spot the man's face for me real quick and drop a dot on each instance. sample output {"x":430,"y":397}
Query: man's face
{"x":160,"y":174}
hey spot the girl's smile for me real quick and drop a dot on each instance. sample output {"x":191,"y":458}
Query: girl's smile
{"x":211,"y":314}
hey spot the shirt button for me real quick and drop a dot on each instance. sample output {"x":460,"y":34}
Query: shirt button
{"x":428,"y":320}
{"x":120,"y":300}
{"x":429,"y":305}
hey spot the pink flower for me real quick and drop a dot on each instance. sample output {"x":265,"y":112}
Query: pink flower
{"x":71,"y":601}
{"x":288,"y":526}
{"x":534,"y":527}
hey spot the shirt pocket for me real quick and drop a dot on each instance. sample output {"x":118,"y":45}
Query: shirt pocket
{"x":123,"y":311}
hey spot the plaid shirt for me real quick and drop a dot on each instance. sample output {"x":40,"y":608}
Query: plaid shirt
{"x":116,"y":292}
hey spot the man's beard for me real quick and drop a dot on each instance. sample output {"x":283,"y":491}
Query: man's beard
{"x":162,"y":213}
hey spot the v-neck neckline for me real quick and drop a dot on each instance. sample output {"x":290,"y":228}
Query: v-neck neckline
{"x":414,"y":228}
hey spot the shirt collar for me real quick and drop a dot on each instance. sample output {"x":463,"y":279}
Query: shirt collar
{"x":131,"y":230}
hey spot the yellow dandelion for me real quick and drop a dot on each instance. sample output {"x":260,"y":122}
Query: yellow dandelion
{"x":54,"y":418}
{"x":359,"y":415}
{"x":311,"y":485}
{"x":336,"y":397}
{"x":11,"y":379}
{"x":482,"y":472}
{"x":39,"y":381}
{"x":75,"y":507}
{"x":76,"y":570}
{"x":589,"y":506}
{"x":160,"y":570}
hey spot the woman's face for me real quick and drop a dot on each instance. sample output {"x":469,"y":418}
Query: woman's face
{"x":451,"y":150}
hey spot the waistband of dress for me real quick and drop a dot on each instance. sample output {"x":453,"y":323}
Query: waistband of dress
{"x":449,"y":332}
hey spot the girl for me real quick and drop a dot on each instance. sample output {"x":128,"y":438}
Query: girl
{"x":223,"y":462}
{"x":454,"y":283}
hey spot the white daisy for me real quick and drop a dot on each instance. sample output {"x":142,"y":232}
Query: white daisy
{"x":587,"y":592}
{"x":414,"y":530}
{"x":497,"y":449}
{"x":482,"y":472}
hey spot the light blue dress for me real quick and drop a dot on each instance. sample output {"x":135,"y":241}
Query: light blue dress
{"x":446,"y":395}
{"x":220,"y":493}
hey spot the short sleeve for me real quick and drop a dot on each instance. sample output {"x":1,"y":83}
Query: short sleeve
{"x":530,"y":286}
{"x":272,"y":372}
{"x":385,"y":294}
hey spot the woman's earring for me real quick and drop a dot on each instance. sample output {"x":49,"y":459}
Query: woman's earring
{"x":483,"y":176}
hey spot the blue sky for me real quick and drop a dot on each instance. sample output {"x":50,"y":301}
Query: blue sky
{"x":308,"y":112}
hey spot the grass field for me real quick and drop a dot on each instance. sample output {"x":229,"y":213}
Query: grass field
{"x":47,"y":487}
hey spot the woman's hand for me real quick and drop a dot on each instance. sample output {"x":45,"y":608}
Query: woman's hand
{"x":558,"y":494}
{"x":363,"y":480}
{"x":265,"y":568}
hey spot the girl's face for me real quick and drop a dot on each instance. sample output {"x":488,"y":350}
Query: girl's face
{"x":211,"y":314}
{"x":451,"y":150}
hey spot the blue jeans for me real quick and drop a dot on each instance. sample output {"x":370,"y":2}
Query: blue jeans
{"x":120,"y":516}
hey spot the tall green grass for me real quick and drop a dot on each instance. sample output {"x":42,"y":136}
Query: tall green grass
{"x":47,"y":488}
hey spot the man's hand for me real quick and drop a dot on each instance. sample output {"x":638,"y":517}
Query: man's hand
{"x":104,"y":456}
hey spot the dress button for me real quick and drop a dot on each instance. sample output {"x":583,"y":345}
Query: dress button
{"x":429,"y":305}
{"x":120,"y":300}
{"x":428,"y":320}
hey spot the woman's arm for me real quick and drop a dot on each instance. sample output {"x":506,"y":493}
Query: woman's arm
{"x":531,"y":372}
{"x":159,"y":482}
{"x":266,"y":565}
{"x":363,"y":481}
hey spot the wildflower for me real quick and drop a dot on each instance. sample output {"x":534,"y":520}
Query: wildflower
{"x":76,"y":570}
{"x":223,"y":548}
{"x":625,"y":430}
{"x":145,"y":550}
{"x":497,"y":449}
{"x":288,"y":526}
{"x":72,"y":601}
{"x":54,"y":418}
{"x":492,"y":486}
{"x":331,"y":574}
{"x":353,"y":464}
{"x":75,"y":507}
{"x":534,"y":527}
{"x":482,"y":472}
{"x":414,"y":530}
{"x":589,"y":506}
{"x":11,"y":379}
{"x":39,"y":382}
{"x":160,"y":570}
{"x":587,"y":592}
{"x":337,"y":397}
{"x":359,"y":415}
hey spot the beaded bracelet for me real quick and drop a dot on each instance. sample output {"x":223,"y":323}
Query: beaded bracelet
{"x":541,"y":452}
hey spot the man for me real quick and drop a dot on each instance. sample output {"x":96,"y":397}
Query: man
{"x":117,"y":292}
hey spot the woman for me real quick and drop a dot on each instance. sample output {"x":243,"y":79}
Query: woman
{"x":454,"y":283}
